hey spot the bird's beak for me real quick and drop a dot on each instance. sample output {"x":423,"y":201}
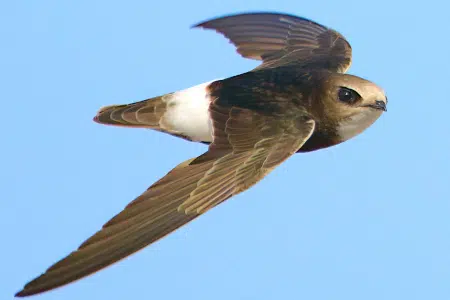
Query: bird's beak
{"x":379,"y":104}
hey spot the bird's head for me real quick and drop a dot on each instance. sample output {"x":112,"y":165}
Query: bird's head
{"x":353,"y":103}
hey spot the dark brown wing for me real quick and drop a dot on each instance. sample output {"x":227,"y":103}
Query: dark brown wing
{"x":280,"y":39}
{"x":246,"y":147}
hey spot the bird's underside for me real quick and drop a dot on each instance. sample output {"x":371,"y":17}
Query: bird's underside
{"x":252,"y":123}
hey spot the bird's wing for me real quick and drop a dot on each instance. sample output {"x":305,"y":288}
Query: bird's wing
{"x":246,"y":146}
{"x":280,"y":39}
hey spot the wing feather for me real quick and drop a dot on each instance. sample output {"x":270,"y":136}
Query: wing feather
{"x":281,"y":39}
{"x":246,"y":147}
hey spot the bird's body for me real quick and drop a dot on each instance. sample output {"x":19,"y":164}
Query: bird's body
{"x":297,"y":100}
{"x":269,"y":91}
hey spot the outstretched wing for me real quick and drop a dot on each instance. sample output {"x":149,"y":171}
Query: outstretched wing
{"x":280,"y":39}
{"x":246,"y":147}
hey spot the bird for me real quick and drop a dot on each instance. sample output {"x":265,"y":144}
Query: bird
{"x":297,"y":100}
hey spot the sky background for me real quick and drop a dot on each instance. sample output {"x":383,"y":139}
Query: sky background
{"x":368,"y":219}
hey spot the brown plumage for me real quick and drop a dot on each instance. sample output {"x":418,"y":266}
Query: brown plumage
{"x":297,"y":100}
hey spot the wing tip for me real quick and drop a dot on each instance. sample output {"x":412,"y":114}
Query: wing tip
{"x":25,"y":293}
{"x":33,"y":287}
{"x":204,"y":24}
{"x":20,"y":294}
{"x":207,"y":24}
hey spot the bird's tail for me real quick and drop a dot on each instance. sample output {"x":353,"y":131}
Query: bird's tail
{"x":143,"y":114}
{"x":183,"y":113}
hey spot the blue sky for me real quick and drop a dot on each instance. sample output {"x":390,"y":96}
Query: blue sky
{"x":368,"y":219}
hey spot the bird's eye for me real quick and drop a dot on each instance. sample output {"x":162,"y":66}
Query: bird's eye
{"x":347,"y":95}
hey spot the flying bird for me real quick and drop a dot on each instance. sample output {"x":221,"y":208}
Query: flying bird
{"x":298,"y":99}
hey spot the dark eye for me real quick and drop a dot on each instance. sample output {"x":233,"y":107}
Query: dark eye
{"x":347,"y":95}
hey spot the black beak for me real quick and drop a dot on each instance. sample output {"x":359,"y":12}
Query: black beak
{"x":378,"y":105}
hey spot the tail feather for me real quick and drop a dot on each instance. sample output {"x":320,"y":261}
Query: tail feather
{"x":144,"y":114}
{"x":183,"y":114}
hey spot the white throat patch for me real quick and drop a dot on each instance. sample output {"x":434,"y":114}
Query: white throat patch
{"x":357,"y":123}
